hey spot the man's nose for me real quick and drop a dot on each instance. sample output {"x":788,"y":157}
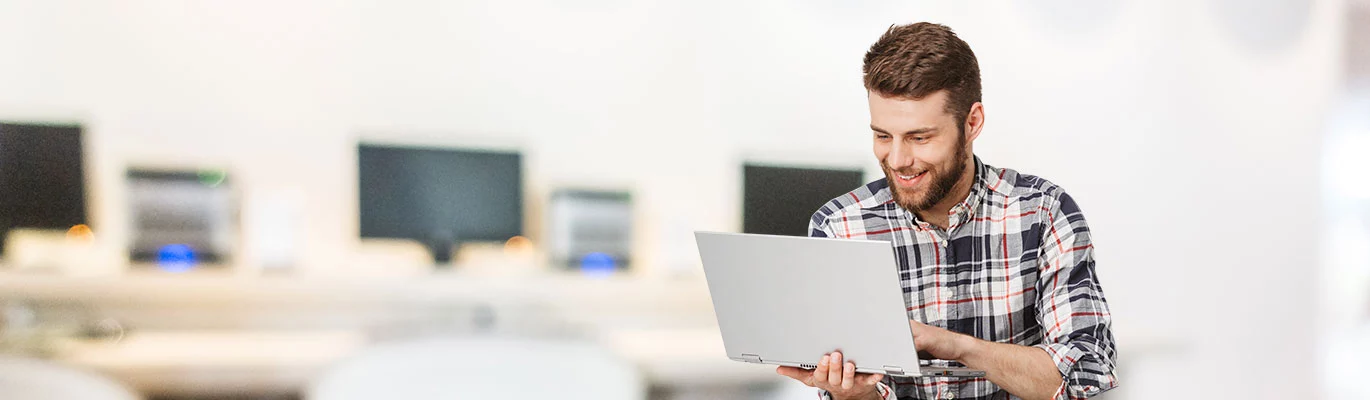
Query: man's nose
{"x":900,"y":157}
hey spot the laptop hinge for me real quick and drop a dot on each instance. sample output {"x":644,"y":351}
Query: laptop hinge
{"x":892,"y":370}
{"x":751,"y":358}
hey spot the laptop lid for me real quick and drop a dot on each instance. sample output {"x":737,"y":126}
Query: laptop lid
{"x":789,"y":300}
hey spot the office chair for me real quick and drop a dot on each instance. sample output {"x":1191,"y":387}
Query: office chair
{"x":481,"y":368}
{"x":31,"y":379}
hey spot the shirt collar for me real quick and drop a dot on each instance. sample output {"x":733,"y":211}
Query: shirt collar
{"x":981,"y":184}
{"x":963,"y":211}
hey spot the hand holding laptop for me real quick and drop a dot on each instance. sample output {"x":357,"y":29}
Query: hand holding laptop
{"x":839,"y":378}
{"x":842,"y":381}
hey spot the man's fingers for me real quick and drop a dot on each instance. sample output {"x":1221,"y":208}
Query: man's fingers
{"x":873,"y":378}
{"x":798,"y":374}
{"x":848,"y":375}
{"x":835,"y":369}
{"x":820,"y":373}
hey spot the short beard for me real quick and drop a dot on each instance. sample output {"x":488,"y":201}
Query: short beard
{"x":941,"y":187}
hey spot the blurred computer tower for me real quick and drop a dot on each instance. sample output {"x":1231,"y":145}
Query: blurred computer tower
{"x":590,"y":229}
{"x":183,"y":216}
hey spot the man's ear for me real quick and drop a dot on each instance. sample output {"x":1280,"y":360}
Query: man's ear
{"x":975,"y":121}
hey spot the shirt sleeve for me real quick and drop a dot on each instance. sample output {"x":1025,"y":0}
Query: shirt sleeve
{"x":818,"y":225}
{"x":884,"y":391}
{"x":1071,"y":307}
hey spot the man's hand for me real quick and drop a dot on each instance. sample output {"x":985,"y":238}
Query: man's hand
{"x":838,"y":378}
{"x":940,"y":343}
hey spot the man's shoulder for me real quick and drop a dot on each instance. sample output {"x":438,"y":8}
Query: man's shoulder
{"x":1031,"y":192}
{"x":871,"y":195}
{"x":1016,"y":186}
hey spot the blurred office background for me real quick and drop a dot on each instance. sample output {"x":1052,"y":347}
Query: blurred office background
{"x":209,"y":199}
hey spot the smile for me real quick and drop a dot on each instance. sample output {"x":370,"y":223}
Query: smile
{"x":910,"y":180}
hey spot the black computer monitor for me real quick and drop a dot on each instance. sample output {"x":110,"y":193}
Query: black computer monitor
{"x":440,"y":197}
{"x":42,"y":177}
{"x":781,"y":200}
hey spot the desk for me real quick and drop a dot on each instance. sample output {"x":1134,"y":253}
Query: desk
{"x":198,"y":363}
{"x":203,"y":334}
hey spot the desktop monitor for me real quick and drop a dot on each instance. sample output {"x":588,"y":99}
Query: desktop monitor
{"x":42,"y":177}
{"x":780,"y":200}
{"x":439,"y":196}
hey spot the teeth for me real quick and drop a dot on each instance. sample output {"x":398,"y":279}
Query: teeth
{"x":909,"y":177}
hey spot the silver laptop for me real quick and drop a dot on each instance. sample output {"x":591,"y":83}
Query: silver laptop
{"x":786,"y":300}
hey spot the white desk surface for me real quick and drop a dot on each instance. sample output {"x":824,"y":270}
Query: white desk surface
{"x":238,"y":362}
{"x":665,"y":326}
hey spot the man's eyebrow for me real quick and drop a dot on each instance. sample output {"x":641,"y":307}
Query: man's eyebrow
{"x":925,"y":129}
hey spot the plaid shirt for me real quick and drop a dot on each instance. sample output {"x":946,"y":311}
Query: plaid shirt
{"x":1015,"y":265}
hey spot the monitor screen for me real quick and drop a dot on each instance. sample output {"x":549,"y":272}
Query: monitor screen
{"x":781,"y":200}
{"x":42,"y":177}
{"x":437,"y":195}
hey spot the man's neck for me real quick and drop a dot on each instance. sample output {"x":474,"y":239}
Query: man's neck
{"x":937,"y":215}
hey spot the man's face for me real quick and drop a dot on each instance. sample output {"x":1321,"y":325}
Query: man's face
{"x":920,"y":146}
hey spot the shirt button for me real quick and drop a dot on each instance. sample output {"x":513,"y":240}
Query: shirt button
{"x":949,"y":395}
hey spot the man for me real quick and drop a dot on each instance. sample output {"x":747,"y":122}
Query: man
{"x":997,"y":267}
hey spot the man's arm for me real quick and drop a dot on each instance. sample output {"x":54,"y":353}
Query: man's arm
{"x":1071,"y":308}
{"x":1024,"y":371}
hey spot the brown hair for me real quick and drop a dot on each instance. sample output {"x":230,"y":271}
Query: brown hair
{"x":914,"y":61}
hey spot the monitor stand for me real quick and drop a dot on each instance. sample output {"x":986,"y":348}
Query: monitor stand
{"x":440,"y":244}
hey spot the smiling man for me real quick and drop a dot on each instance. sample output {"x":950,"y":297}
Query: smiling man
{"x":997,"y":266}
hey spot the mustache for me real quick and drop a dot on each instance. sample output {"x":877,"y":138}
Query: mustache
{"x":889,"y":170}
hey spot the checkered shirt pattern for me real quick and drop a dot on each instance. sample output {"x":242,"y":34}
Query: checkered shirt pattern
{"x":1015,"y":265}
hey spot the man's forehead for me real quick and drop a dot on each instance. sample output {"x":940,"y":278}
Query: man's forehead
{"x":901,"y":113}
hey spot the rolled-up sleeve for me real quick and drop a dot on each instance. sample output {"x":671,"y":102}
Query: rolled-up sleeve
{"x":1071,"y":307}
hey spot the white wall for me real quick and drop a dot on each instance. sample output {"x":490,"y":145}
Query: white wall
{"x":1193,"y":155}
